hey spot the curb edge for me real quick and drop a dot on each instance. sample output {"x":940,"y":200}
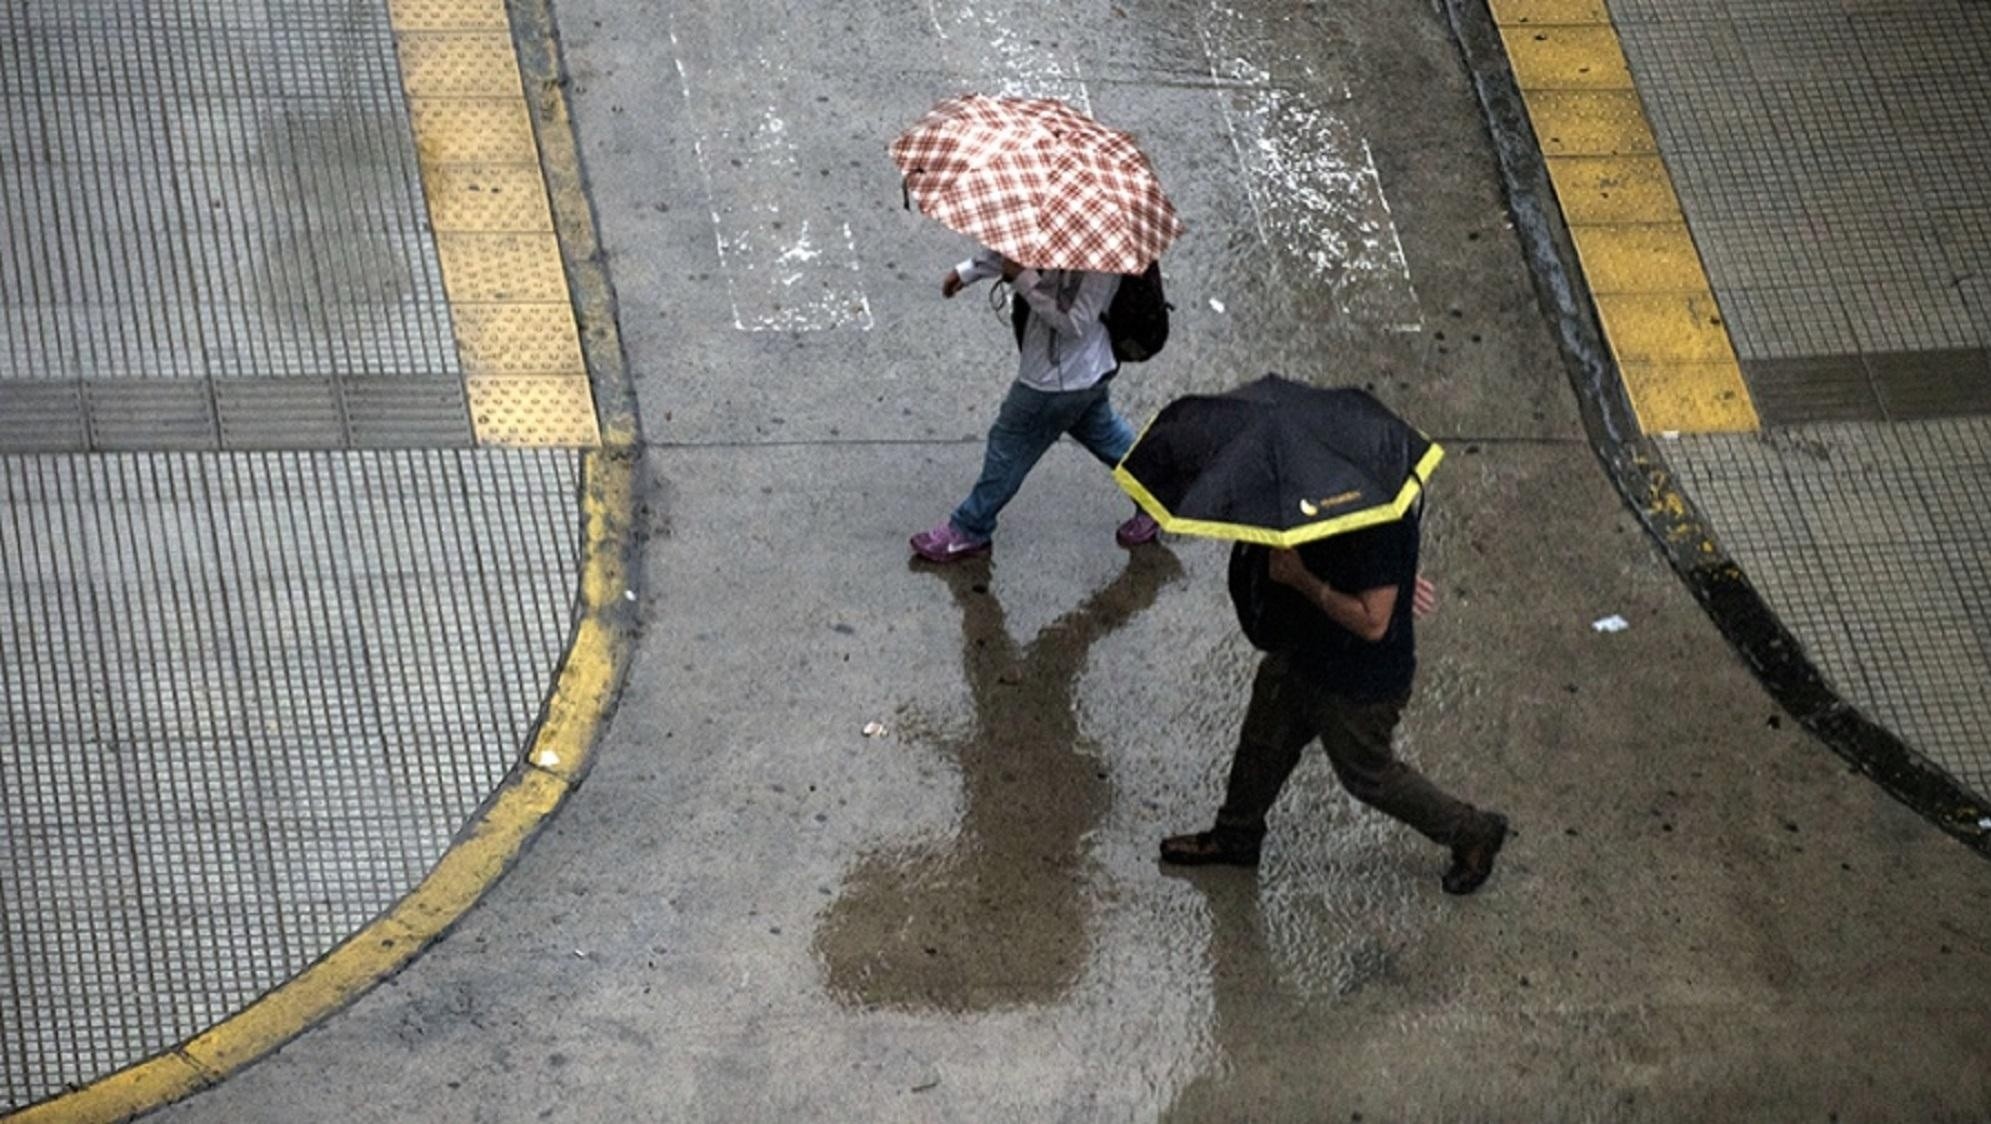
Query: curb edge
{"x":1642,"y":477}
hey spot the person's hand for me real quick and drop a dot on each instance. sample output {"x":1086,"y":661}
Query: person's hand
{"x":950,"y":284}
{"x":1010,"y":269}
{"x":1287,"y":569}
{"x":1423,"y":597}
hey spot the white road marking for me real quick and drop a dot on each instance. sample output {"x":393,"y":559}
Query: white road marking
{"x":1004,"y":44}
{"x":790,"y":263}
{"x":1311,"y":181}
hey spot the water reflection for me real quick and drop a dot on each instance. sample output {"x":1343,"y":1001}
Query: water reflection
{"x":995,"y":916}
{"x":1278,"y":955}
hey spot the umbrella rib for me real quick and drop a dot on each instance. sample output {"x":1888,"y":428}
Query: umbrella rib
{"x":1278,"y":464}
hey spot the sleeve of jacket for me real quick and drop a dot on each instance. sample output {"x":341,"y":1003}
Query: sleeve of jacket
{"x":1095,"y":292}
{"x":984,"y":265}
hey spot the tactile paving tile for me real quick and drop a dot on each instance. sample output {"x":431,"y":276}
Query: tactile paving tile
{"x":495,"y":268}
{"x":487,"y":197}
{"x":472,"y":132}
{"x":406,"y":413}
{"x":1811,"y":389}
{"x":248,"y":700}
{"x":279,"y":414}
{"x":533,"y":411}
{"x":153,"y":414}
{"x":459,"y":64}
{"x":1870,"y":543}
{"x":42,"y":417}
{"x":518,"y":339}
{"x":448,"y":15}
{"x":1931,"y":384}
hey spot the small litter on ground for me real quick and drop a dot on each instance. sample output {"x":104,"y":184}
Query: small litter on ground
{"x":1612,"y":623}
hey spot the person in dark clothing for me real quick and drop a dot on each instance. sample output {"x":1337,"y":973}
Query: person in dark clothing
{"x":1335,"y":619}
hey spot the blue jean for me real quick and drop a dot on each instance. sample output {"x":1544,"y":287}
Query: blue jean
{"x":1030,"y":422}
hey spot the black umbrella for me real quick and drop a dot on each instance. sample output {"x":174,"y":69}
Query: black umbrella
{"x":1277,"y":462}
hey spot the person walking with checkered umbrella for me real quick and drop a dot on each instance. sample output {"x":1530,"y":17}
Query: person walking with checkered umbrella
{"x":1067,"y":211}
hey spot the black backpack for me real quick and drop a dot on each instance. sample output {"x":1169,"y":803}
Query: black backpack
{"x":1136,"y":320}
{"x":1273,"y":616}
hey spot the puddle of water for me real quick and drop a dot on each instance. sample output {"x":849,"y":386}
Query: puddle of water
{"x":994,"y":916}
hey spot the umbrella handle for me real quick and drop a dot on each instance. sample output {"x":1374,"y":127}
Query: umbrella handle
{"x":906,"y":190}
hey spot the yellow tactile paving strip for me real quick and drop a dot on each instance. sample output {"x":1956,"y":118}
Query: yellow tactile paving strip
{"x":487,"y":202}
{"x":1652,"y":292}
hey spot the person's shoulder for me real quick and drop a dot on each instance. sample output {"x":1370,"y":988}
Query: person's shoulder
{"x":1379,"y":548}
{"x":1362,"y":540}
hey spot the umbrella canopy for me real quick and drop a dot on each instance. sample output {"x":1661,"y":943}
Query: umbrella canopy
{"x":1277,"y":462}
{"x":1039,"y":182}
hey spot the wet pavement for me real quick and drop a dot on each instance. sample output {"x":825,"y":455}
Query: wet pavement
{"x":753,"y":910}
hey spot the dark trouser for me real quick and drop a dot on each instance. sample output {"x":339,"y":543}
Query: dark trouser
{"x":1287,"y":711}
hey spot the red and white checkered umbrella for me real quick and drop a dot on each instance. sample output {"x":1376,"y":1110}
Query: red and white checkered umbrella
{"x":1039,"y":182}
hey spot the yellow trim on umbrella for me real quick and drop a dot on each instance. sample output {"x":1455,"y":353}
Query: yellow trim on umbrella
{"x":1305,"y":533}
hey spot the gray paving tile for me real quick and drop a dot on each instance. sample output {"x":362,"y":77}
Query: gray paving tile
{"x":1836,"y":150}
{"x":248,"y":698}
{"x":1909,"y":315}
{"x":1926,"y":384}
{"x":291,"y":413}
{"x":193,"y":195}
{"x":1869,"y":541}
{"x":1965,"y":236}
{"x":1664,"y":12}
{"x":42,"y":417}
{"x":1812,"y":389}
{"x":1744,"y":178}
{"x":1771,"y":251}
{"x":173,"y":414}
{"x":1792,"y":323}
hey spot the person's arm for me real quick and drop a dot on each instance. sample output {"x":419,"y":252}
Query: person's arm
{"x":1366,"y":614}
{"x":1095,"y":291}
{"x":984,"y":265}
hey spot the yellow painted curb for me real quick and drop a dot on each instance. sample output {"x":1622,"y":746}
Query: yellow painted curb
{"x":136,"y":1089}
{"x":1650,"y":285}
{"x":597,"y":656}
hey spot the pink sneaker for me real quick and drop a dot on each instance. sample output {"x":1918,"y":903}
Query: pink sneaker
{"x":1140,"y":529}
{"x":947,"y":543}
